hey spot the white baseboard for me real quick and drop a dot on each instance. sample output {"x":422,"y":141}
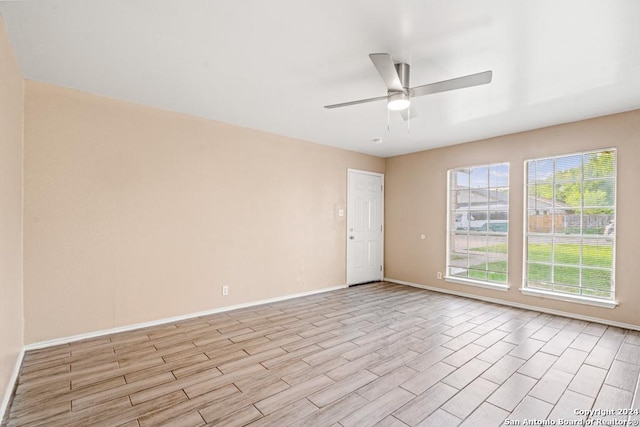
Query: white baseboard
{"x":65,"y":340}
{"x":518,"y":305}
{"x":11,"y":385}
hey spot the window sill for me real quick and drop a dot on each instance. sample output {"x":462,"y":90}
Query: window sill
{"x":569,"y":298}
{"x":477,"y":283}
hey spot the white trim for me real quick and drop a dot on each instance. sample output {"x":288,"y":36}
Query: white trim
{"x":365,"y":172}
{"x":346,"y":226}
{"x":11,"y":385}
{"x":518,"y":305}
{"x":477,"y":283}
{"x":525,"y":220}
{"x":73,"y":338}
{"x":447,"y":238}
{"x":569,"y":298}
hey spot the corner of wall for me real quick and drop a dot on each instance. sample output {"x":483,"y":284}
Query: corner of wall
{"x":12,"y":135}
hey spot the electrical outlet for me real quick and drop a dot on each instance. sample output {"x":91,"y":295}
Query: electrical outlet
{"x":439,"y":275}
{"x":225,"y":290}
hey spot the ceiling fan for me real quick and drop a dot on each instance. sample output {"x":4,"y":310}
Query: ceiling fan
{"x":396,"y":77}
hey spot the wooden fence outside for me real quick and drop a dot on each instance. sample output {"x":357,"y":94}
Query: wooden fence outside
{"x":593,"y":224}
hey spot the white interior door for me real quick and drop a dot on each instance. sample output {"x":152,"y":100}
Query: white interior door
{"x":364,"y":227}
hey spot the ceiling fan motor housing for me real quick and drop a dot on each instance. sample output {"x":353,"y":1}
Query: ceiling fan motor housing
{"x":399,"y":100}
{"x":403,"y":71}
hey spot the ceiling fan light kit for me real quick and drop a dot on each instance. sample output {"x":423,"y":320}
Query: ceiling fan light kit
{"x":397,"y":76}
{"x":398,"y":101}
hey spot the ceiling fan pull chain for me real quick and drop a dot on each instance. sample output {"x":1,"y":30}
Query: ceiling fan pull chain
{"x":388,"y":124}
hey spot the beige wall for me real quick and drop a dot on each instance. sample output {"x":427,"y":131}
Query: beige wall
{"x":11,"y":108}
{"x":416,"y":201}
{"x":134,"y":214}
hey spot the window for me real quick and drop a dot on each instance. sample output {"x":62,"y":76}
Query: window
{"x":570,"y":229}
{"x":477,"y":245}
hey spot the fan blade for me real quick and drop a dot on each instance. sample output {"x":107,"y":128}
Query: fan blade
{"x":453,"y":84}
{"x":384,"y":65}
{"x":409,"y":113}
{"x":361,"y":101}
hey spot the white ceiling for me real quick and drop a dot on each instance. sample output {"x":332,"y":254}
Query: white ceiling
{"x":272,"y":65}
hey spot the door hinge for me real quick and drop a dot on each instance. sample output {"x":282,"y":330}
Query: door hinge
{"x":380,"y":268}
{"x":380,"y":228}
{"x":382,"y":188}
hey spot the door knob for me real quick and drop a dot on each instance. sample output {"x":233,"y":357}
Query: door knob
{"x":351,"y":237}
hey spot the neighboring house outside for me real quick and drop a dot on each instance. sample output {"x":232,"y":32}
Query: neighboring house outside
{"x":487,"y":210}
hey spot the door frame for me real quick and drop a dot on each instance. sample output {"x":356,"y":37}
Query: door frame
{"x":346,"y":228}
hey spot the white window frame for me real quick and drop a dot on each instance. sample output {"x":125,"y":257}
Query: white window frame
{"x":555,"y":295}
{"x":467,"y":281}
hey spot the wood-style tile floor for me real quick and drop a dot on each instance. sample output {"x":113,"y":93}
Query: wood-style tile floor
{"x":379,"y":354}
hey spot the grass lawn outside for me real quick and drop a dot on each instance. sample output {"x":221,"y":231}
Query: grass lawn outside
{"x":589,"y":275}
{"x":495,"y":272}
